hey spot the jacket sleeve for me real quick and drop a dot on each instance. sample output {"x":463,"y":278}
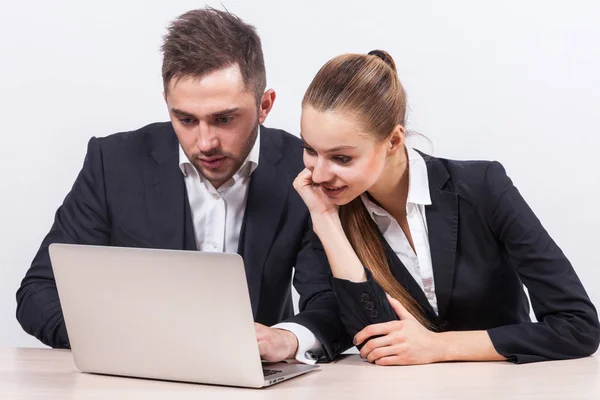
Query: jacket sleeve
{"x":82,"y":218}
{"x":567,"y":324}
{"x":319,"y":310}
{"x":362,"y":304}
{"x":359,"y":304}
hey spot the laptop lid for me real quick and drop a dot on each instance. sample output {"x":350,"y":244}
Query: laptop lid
{"x":162,"y":314}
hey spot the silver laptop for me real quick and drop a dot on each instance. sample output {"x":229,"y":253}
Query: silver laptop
{"x":162,"y":314}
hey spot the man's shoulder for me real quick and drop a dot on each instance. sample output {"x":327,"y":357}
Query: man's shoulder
{"x":283,"y":137}
{"x":137,"y":141}
{"x":148,"y":133}
{"x":287,"y":145}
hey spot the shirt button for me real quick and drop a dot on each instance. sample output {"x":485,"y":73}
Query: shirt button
{"x":216,"y":196}
{"x":214,"y":245}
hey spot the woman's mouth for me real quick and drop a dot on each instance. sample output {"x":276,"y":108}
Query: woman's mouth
{"x":333,"y":191}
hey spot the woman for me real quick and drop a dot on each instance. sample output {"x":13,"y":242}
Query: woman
{"x":428,"y":255}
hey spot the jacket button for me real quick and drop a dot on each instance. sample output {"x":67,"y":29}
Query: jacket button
{"x":365,"y":297}
{"x":374,"y":313}
{"x":369,"y":305}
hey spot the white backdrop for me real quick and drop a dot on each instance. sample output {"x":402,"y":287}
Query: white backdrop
{"x":516,"y":81}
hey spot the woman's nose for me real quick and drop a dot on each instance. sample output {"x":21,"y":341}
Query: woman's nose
{"x":320,"y":173}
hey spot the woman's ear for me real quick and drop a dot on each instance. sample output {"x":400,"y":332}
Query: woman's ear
{"x":396,"y":139}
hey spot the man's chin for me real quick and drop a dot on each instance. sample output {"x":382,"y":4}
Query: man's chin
{"x":216,"y":176}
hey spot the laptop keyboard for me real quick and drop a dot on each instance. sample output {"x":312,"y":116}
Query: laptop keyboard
{"x":269,"y":372}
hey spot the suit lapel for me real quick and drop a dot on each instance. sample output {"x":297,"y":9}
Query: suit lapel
{"x":165,"y":194}
{"x":267,"y":195}
{"x":442,"y":223}
{"x":408,"y":282}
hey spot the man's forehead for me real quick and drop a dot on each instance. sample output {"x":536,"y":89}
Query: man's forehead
{"x":199,"y":97}
{"x":227,"y":78}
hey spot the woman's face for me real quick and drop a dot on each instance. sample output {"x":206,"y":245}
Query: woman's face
{"x":345,"y":161}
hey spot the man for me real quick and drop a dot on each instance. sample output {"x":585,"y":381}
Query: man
{"x":213,"y":179}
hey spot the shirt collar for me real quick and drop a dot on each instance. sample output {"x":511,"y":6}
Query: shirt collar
{"x":418,"y":179}
{"x":418,"y":184}
{"x":251,"y":159}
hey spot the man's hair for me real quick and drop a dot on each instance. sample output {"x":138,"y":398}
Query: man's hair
{"x":204,"y":40}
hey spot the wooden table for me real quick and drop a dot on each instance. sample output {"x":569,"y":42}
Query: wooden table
{"x":50,"y":374}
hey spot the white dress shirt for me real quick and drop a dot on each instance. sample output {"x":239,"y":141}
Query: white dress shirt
{"x":217,"y":216}
{"x":418,"y":264}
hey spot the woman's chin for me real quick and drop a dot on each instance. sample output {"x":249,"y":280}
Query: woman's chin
{"x":342,"y":200}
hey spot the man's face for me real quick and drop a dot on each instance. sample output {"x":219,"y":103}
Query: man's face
{"x":216,"y":120}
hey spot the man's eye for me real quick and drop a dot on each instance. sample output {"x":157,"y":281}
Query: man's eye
{"x":186,"y":121}
{"x":224,"y":120}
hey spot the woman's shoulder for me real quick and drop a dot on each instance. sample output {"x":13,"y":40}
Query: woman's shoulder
{"x":475,"y":171}
{"x":470,"y":179}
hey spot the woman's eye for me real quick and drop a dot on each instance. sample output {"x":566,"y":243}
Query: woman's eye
{"x":342,"y":159}
{"x":310,"y":151}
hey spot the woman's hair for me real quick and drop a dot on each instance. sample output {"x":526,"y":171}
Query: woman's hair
{"x":367,"y":87}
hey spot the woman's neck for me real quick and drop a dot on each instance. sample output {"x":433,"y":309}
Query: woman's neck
{"x":391,"y":189}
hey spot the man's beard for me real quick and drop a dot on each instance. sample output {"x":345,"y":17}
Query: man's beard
{"x":248,"y":144}
{"x":218,"y":179}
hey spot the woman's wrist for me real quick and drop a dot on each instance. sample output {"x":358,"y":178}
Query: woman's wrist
{"x":466,"y":346}
{"x":343,"y":261}
{"x":326,"y":223}
{"x":443,"y":347}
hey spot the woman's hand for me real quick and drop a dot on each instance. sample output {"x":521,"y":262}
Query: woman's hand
{"x":317,"y":202}
{"x":343,"y":261}
{"x":403,"y":342}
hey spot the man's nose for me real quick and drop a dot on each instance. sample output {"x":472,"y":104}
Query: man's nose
{"x":207,"y":139}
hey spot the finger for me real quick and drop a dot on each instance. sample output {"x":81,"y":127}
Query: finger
{"x":382,"y":341}
{"x":304,"y":178}
{"x":263,"y":346}
{"x":390,"y":360}
{"x":305,"y":173}
{"x":268,"y":352}
{"x":400,"y":310}
{"x":374,"y":330}
{"x":382,"y":352}
{"x":261,"y":331}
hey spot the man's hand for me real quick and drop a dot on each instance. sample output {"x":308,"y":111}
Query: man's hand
{"x":275,"y":345}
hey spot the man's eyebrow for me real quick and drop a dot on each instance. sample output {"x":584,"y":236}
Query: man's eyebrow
{"x":217,"y":114}
{"x":225,"y":112}
{"x":181,"y":113}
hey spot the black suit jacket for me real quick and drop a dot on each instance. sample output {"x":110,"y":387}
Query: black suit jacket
{"x":131,"y":193}
{"x":486,"y":243}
